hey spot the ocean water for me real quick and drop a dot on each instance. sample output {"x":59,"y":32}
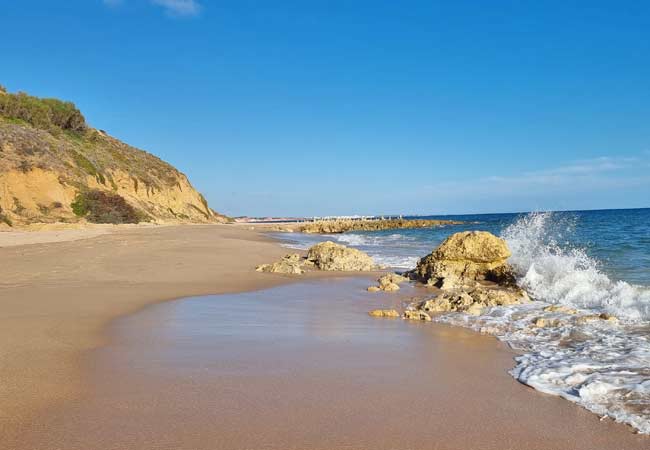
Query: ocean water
{"x":593,"y":261}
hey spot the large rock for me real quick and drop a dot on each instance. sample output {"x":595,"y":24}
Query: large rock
{"x":464,"y":259}
{"x":330,"y":256}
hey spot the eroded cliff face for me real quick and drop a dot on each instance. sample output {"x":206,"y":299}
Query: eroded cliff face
{"x":42,"y":173}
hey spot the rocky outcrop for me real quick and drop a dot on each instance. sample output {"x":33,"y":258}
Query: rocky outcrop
{"x":344,"y":225}
{"x":464,"y":259}
{"x":289,"y":264}
{"x":335,"y":257}
{"x":388,"y":283}
{"x":472,"y":271}
{"x":383,"y":313}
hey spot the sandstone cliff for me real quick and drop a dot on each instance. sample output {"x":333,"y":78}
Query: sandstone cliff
{"x":49,"y":161}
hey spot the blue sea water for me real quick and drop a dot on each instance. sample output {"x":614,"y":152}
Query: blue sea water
{"x":617,"y":240}
{"x":592,"y":261}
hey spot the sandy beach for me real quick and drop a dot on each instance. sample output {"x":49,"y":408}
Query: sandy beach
{"x":74,"y":318}
{"x":56,"y":297}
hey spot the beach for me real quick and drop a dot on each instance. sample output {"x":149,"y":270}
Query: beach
{"x":57,"y":297}
{"x":82,"y":345}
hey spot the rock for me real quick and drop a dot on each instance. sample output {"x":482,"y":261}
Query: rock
{"x":383,"y":313}
{"x":582,"y":320}
{"x":417,"y":315}
{"x":388,"y":283}
{"x":334,"y":257}
{"x":560,"y":309}
{"x":473,"y":301}
{"x":290,"y":264}
{"x":475,"y":309}
{"x":465,"y":258}
{"x":390,"y":278}
{"x":545,"y":322}
{"x":390,"y":287}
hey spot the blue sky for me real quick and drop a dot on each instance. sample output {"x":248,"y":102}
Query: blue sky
{"x":342,"y":107}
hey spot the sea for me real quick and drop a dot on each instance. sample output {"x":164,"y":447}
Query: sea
{"x":591,"y":261}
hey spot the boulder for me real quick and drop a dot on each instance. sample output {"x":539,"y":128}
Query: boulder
{"x":373,"y":289}
{"x":464,"y":259}
{"x":383,"y":313}
{"x":291,"y":264}
{"x":334,"y":257}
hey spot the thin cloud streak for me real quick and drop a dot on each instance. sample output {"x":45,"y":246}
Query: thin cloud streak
{"x":179,"y":7}
{"x":173,"y":8}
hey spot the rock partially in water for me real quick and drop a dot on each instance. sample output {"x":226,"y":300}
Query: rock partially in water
{"x":547,"y":322}
{"x":388,"y":283}
{"x":560,"y":309}
{"x":416,"y":315}
{"x":464,"y":259}
{"x":289,"y":264}
{"x":384,"y":313}
{"x":582,"y":320}
{"x":335,"y":257}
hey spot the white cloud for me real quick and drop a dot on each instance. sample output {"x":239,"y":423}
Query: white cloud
{"x":179,"y":7}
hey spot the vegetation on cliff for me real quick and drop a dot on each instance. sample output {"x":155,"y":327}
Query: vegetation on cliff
{"x":50,"y":158}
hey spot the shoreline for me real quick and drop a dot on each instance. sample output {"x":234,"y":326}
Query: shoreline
{"x":200,"y":383}
{"x":42,"y":349}
{"x":47,"y":321}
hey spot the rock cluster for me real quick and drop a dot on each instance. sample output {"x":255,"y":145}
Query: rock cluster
{"x":324,"y":256}
{"x":388,"y":283}
{"x":465,"y":258}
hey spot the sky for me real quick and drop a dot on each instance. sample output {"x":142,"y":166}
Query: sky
{"x":314,"y":107}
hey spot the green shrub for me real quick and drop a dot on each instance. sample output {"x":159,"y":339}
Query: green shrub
{"x":45,"y":113}
{"x":103,"y":207}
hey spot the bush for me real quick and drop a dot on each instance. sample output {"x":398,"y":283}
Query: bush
{"x":103,"y":207}
{"x":44,"y":113}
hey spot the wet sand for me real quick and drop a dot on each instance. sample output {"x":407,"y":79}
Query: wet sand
{"x":303,"y":367}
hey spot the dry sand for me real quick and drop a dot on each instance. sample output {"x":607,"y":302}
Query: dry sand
{"x":446,"y":389}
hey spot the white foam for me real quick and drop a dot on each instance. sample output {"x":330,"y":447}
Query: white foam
{"x":568,"y":276}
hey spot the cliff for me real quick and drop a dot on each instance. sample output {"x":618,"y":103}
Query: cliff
{"x":55,"y":168}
